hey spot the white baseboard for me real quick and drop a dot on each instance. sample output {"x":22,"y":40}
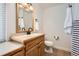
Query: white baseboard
{"x":61,"y":48}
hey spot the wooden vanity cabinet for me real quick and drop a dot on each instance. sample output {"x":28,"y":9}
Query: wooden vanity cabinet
{"x":20,"y":53}
{"x":33,"y":52}
{"x":17,"y":52}
{"x":35,"y":46}
{"x":41,"y":48}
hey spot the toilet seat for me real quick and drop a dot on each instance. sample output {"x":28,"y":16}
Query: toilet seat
{"x":48,"y":43}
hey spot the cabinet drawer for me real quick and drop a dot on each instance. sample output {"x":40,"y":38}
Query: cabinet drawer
{"x":32,"y":43}
{"x":41,"y":39}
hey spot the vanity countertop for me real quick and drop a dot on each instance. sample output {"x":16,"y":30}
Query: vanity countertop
{"x":8,"y":47}
{"x":21,"y":38}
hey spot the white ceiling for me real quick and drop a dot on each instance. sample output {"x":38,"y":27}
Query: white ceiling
{"x":47,"y":5}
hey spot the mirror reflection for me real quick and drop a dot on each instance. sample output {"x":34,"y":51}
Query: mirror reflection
{"x":25,"y":18}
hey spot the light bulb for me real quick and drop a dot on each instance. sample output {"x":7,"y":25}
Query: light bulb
{"x":31,"y":8}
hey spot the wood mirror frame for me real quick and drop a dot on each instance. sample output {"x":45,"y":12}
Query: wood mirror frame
{"x":17,"y":14}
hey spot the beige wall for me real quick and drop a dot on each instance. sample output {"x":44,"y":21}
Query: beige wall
{"x":53,"y":25}
{"x":11,"y":20}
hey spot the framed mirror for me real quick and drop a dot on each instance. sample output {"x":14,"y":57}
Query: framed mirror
{"x":24,"y":17}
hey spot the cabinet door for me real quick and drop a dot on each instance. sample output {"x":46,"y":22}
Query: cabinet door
{"x":33,"y":52}
{"x":41,"y":48}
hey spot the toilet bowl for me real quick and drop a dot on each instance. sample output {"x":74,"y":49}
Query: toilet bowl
{"x":49,"y":44}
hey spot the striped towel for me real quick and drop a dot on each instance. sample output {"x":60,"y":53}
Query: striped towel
{"x":75,"y":38}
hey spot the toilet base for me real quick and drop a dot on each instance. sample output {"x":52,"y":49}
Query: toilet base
{"x":50,"y":50}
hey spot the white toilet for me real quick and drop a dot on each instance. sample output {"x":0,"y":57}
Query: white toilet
{"x":49,"y":44}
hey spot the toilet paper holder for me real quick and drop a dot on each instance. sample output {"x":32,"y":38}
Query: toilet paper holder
{"x":56,"y":37}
